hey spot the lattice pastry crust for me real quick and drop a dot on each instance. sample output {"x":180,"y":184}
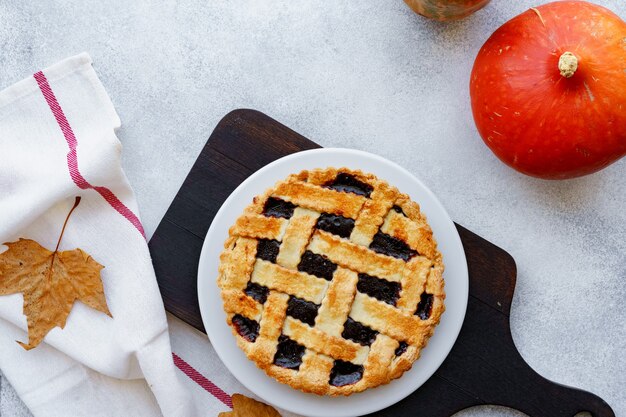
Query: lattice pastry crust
{"x":332,"y":281}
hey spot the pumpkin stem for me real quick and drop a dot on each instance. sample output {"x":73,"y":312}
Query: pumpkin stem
{"x":568,"y":64}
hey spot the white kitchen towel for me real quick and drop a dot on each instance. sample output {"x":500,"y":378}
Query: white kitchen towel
{"x":57,"y":141}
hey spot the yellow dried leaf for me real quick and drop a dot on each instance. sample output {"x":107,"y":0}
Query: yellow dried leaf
{"x":247,"y":407}
{"x":51,"y":282}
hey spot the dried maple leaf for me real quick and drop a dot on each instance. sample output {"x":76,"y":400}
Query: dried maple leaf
{"x":247,"y":407}
{"x":50,"y":282}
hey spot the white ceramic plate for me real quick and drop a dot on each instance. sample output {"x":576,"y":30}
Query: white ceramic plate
{"x":283,"y":396}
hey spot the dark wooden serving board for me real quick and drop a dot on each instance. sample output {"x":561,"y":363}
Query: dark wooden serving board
{"x":484,"y":367}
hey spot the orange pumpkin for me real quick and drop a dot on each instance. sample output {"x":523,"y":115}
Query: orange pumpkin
{"x":548,"y":90}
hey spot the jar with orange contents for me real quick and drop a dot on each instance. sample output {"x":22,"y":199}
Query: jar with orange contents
{"x":446,"y":9}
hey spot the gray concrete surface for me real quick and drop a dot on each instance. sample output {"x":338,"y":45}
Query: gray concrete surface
{"x":368,"y":75}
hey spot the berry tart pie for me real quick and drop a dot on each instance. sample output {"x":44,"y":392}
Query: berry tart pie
{"x":332,"y":281}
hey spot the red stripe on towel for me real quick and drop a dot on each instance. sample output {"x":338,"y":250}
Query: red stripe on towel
{"x":201,"y":380}
{"x":82,"y":183}
{"x":72,"y":156}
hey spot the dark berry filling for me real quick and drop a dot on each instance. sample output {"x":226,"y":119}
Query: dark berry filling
{"x":389,"y":245}
{"x":338,"y":225}
{"x":345,"y":373}
{"x":288,"y":353}
{"x":348,"y":184}
{"x":247,"y":328}
{"x":303,"y":310}
{"x":425,"y":306}
{"x":398,"y":209}
{"x":379,"y":288}
{"x":401,"y":348}
{"x":267,"y":249}
{"x":275,"y":207}
{"x":256,"y":291}
{"x":358,"y":332}
{"x":317,"y":265}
